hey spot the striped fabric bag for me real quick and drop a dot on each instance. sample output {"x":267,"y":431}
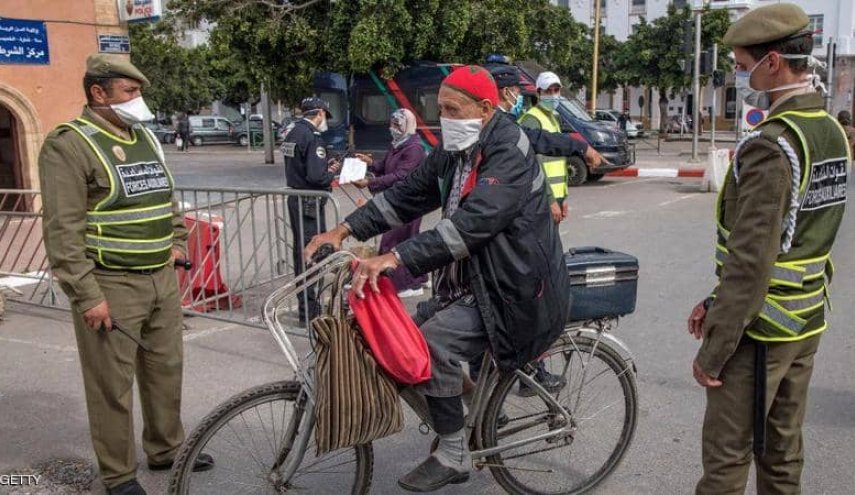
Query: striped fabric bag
{"x":355,"y":401}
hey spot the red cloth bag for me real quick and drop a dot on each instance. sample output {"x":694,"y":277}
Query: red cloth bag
{"x":396,"y":342}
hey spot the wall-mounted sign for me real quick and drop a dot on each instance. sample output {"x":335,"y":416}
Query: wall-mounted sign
{"x":140,"y":10}
{"x":23,"y":42}
{"x":114,"y":43}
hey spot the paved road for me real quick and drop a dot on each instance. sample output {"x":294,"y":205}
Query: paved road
{"x":667,"y":224}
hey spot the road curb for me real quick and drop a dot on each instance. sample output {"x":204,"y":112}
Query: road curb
{"x":693,"y":172}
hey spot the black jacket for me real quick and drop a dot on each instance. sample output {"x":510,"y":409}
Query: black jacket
{"x":551,"y":143}
{"x":502,"y":230}
{"x":306,"y":158}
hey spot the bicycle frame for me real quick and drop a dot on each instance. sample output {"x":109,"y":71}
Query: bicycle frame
{"x":597,"y":330}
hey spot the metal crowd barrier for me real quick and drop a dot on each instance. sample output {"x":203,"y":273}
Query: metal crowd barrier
{"x":240,"y":243}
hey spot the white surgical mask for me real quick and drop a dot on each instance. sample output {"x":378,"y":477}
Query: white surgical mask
{"x":133,"y":111}
{"x":458,"y":135}
{"x":760,"y":98}
{"x":324,"y":126}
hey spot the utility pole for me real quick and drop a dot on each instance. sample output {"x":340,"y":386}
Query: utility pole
{"x":830,"y":57}
{"x":597,"y":13}
{"x":714,"y":92}
{"x":266,"y":125}
{"x":696,"y":84}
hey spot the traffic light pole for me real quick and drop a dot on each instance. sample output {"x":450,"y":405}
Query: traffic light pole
{"x":714,"y":91}
{"x":696,"y":88}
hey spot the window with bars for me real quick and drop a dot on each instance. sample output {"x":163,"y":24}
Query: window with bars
{"x":815,"y":25}
{"x":638,"y":7}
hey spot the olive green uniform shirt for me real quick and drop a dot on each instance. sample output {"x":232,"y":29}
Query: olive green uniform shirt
{"x":754,"y":211}
{"x":73,"y":181}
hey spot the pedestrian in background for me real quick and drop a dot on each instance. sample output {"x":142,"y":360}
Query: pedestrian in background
{"x":778,"y":215}
{"x":845,"y":119}
{"x":405,"y":153}
{"x":111,"y":231}
{"x":183,"y":130}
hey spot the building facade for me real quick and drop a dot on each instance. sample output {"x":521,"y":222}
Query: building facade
{"x":43,"y":50}
{"x":832,"y":20}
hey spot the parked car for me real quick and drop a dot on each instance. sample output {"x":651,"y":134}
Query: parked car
{"x":612,"y":116}
{"x":211,"y":130}
{"x":613,"y":145}
{"x":256,"y":131}
{"x":164,"y":134}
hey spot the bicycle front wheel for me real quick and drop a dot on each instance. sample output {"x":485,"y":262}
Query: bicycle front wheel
{"x":596,"y":386}
{"x":255,"y":437}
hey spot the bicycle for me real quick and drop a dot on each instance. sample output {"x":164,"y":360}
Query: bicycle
{"x":525,"y":441}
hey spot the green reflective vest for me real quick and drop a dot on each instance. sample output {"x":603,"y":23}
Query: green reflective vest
{"x":794,"y":307}
{"x":554,"y":168}
{"x":131,"y":228}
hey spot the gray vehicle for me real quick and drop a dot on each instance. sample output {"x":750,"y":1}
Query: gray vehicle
{"x":164,"y":134}
{"x":211,"y":130}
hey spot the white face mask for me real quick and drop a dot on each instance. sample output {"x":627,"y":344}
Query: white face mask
{"x":458,"y":135}
{"x":760,"y":98}
{"x":133,"y":111}
{"x":324,"y":125}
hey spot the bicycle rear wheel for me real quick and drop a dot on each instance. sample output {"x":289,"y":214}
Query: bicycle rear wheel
{"x":253,"y":436}
{"x":601,"y":397}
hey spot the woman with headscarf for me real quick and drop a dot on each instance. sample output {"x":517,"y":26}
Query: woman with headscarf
{"x":404,"y":155}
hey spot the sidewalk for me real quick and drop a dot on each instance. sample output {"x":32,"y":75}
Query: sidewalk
{"x":42,"y":408}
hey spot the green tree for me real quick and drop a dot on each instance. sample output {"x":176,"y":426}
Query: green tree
{"x":283,"y":43}
{"x":653,"y":55}
{"x":181,"y":78}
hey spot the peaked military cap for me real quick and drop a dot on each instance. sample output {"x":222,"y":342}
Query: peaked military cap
{"x":109,"y":65}
{"x":766,"y":24}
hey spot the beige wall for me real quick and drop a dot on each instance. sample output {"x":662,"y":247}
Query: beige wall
{"x":42,"y":96}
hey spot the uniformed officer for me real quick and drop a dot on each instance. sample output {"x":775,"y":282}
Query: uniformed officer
{"x":777,"y":218}
{"x":307,"y":167}
{"x":542,"y":116}
{"x":111,"y":231}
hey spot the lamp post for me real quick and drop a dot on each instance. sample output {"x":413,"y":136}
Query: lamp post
{"x":597,"y":13}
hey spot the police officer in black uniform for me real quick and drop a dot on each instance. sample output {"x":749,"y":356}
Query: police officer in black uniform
{"x":307,"y":167}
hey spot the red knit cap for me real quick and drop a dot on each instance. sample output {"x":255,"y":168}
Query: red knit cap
{"x":475,"y":82}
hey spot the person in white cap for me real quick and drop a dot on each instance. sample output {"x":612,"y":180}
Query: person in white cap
{"x":542,"y":116}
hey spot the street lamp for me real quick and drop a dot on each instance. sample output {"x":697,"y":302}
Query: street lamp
{"x":597,"y":15}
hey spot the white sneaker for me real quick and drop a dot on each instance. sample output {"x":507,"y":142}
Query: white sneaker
{"x":411,"y":293}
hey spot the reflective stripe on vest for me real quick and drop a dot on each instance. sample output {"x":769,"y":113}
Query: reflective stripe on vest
{"x":131,"y":228}
{"x":787,"y":274}
{"x":125,"y":245}
{"x":798,"y":285}
{"x":554,"y":168}
{"x":129,"y":216}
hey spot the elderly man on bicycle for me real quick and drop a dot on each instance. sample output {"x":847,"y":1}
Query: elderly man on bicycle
{"x":503,"y":285}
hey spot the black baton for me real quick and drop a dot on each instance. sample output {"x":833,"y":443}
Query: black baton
{"x":759,"y":398}
{"x":128,"y":335}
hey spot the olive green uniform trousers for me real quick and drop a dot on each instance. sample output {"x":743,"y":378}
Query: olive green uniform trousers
{"x":728,"y":423}
{"x":148,"y":307}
